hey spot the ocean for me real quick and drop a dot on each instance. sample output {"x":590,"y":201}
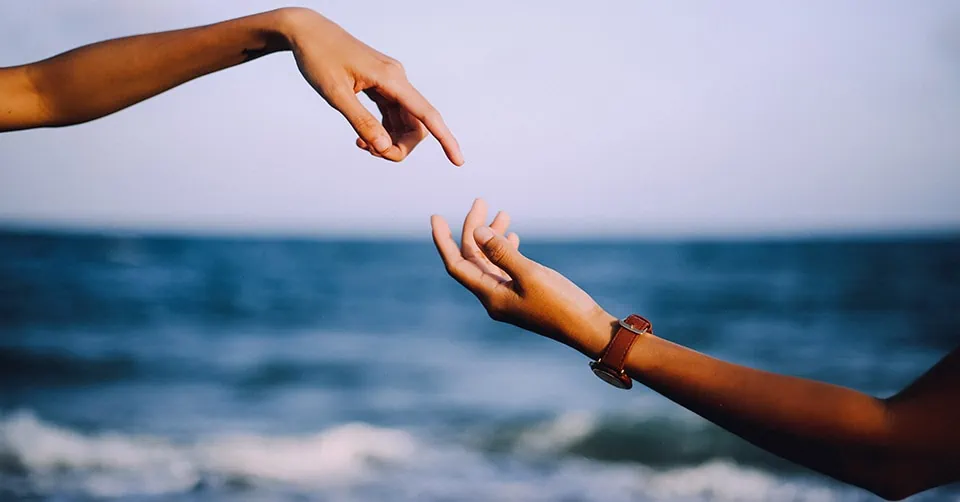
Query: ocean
{"x":213,"y":369}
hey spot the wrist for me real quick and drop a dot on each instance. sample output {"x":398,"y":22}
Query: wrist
{"x":286,"y":23}
{"x":596,"y":334}
{"x":293,"y":23}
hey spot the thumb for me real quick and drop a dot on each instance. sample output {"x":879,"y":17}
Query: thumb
{"x":367,"y":126}
{"x":500,"y":251}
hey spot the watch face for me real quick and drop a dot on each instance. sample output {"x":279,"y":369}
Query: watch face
{"x":611,"y":378}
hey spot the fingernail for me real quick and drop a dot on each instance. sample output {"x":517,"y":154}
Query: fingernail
{"x":483,"y":234}
{"x":381,"y":143}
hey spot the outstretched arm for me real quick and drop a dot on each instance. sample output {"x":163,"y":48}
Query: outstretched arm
{"x":893,"y":447}
{"x":99,"y":79}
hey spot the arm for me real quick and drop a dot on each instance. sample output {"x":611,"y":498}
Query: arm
{"x":894,"y":447}
{"x":102,"y":78}
{"x":99,"y":79}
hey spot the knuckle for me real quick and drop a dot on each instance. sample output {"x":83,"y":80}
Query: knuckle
{"x":451,"y":271}
{"x":496,"y":308}
{"x":366,"y":123}
{"x":395,"y":65}
{"x":455,"y":273}
{"x":536,"y":273}
{"x":431,"y":115}
{"x":496,"y":315}
{"x":337,"y":91}
{"x":393,"y":71}
{"x":496,"y":251}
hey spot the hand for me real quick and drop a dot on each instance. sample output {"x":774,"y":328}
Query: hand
{"x":517,"y":290}
{"x":339,"y":66}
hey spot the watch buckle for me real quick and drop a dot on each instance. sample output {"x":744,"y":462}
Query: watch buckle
{"x":624,"y":325}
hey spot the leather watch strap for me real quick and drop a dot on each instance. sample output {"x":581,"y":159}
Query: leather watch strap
{"x":615,"y":355}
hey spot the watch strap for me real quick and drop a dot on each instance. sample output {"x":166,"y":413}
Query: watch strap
{"x":630,"y":329}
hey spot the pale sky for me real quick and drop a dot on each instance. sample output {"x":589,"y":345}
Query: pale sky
{"x":601,"y":117}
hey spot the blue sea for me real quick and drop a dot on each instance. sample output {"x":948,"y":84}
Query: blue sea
{"x":213,"y":369}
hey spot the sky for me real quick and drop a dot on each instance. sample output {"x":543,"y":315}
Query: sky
{"x":579,"y":118}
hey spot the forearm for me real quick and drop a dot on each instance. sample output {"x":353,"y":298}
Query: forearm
{"x":99,"y":79}
{"x":837,"y":431}
{"x":893,"y":447}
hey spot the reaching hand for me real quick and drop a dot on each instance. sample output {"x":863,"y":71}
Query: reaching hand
{"x":339,"y":66}
{"x":517,"y":290}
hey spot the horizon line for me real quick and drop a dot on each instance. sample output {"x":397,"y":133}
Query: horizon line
{"x":935,"y":232}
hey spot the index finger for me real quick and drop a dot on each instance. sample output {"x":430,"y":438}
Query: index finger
{"x":465,"y":272}
{"x":410,"y":98}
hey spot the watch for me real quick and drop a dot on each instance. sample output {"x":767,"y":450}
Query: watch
{"x":609,"y":367}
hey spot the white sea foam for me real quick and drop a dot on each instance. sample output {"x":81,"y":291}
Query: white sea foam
{"x":113,"y":464}
{"x":559,"y":433}
{"x":721,"y":480}
{"x":346,"y":460}
{"x":341,"y":454}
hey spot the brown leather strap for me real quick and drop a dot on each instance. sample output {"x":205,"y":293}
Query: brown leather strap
{"x":616,"y":353}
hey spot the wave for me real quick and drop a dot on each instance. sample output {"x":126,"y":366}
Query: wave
{"x":58,"y":459}
{"x":356,"y":461}
{"x":653,"y":441}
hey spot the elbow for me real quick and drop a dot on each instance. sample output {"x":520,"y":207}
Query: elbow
{"x":899,"y":490}
{"x":896,"y":492}
{"x":902,"y":479}
{"x":41,"y":98}
{"x":890,"y":478}
{"x":22,"y":104}
{"x":900,"y":462}
{"x":891,"y":492}
{"x":883,"y":483}
{"x":887,"y":482}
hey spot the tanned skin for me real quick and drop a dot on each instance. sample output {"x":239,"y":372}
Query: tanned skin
{"x":102,"y":78}
{"x":893,"y":447}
